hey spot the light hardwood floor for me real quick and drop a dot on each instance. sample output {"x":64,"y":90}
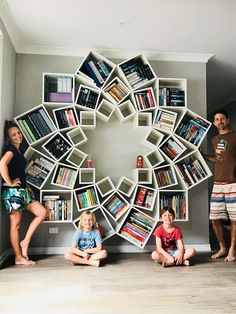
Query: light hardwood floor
{"x":127,"y":283}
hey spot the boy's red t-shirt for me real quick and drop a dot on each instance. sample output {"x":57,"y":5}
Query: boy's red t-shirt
{"x":168,"y":239}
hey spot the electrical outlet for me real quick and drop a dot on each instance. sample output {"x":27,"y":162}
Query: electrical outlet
{"x":53,"y":230}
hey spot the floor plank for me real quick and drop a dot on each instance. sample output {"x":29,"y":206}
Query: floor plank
{"x":127,"y":283}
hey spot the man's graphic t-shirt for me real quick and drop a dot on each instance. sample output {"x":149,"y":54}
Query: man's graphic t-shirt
{"x":168,"y":239}
{"x":87,"y":240}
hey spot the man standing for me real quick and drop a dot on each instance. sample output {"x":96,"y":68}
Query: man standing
{"x":223,"y":198}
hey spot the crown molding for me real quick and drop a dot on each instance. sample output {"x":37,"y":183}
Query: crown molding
{"x":115,"y":54}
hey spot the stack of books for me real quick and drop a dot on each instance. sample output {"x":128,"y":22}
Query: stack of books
{"x":57,"y":146}
{"x":38,"y":170}
{"x":36,"y":125}
{"x":66,"y":118}
{"x":66,"y":177}
{"x":164,"y":120}
{"x":116,"y":91}
{"x":144,"y":99}
{"x":87,"y":98}
{"x":172,"y":149}
{"x":116,"y":206}
{"x":173,"y":97}
{"x":165,"y":176}
{"x":191,"y":172}
{"x":144,"y":197}
{"x":87,"y":198}
{"x":58,"y":89}
{"x":58,"y":209}
{"x":137,"y":227}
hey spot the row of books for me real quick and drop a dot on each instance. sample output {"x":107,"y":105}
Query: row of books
{"x":144,"y":198}
{"x":137,"y":72}
{"x":87,"y":198}
{"x":164,"y":120}
{"x":116,"y":91}
{"x":191,"y":129}
{"x":98,"y":71}
{"x":137,"y":227}
{"x":66,"y":118}
{"x":58,"y":209}
{"x":38,"y":170}
{"x":66,"y":177}
{"x":192,"y":171}
{"x":176,"y":201}
{"x":115,"y":206}
{"x":58,"y":146}
{"x":36,"y":125}
{"x":87,"y":98}
{"x":171,"y":97}
{"x":144,"y":99}
{"x":165,"y":176}
{"x":58,"y":89}
{"x":171,"y":148}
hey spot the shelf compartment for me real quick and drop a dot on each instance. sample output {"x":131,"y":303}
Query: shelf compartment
{"x":105,"y":186}
{"x":66,"y":118}
{"x":154,"y":158}
{"x":143,"y":120}
{"x":115,"y":205}
{"x":86,"y":197}
{"x":65,"y":176}
{"x":105,"y":110}
{"x":76,"y":157}
{"x":86,"y":175}
{"x":87,"y":98}
{"x":126,"y":186}
{"x":165,"y":120}
{"x":77,"y":136}
{"x":39,"y":167}
{"x":165,"y":177}
{"x":137,"y":227}
{"x":143,"y":175}
{"x":59,"y":204}
{"x":57,"y":146}
{"x":58,"y":88}
{"x":144,"y":197}
{"x":88,"y":119}
{"x":172,"y":148}
{"x":116,"y":91}
{"x":172,"y":92}
{"x":153,"y":138}
{"x":125,"y":110}
{"x":145,"y":99}
{"x":176,"y":199}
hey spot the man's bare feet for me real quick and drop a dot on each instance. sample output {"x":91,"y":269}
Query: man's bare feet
{"x":24,"y":248}
{"x":230,"y":258}
{"x":24,"y":261}
{"x":219,"y":254}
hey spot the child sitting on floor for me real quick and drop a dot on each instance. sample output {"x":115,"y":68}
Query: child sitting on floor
{"x":170,"y":248}
{"x":87,"y":242}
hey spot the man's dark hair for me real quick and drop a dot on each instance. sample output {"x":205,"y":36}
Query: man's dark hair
{"x":221,"y":111}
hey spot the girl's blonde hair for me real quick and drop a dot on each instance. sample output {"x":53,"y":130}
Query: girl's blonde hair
{"x":86,"y":213}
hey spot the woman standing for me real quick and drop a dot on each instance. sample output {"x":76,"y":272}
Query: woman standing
{"x":17,"y":196}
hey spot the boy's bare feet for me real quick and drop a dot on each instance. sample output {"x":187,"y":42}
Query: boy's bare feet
{"x":186,"y":262}
{"x":24,"y":261}
{"x":94,"y":263}
{"x":24,"y":248}
{"x":219,"y":254}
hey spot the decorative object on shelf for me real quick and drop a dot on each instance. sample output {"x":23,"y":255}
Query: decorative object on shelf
{"x":89,"y":163}
{"x":139,"y":162}
{"x":71,"y":104}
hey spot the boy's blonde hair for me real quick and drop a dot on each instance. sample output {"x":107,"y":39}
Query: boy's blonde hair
{"x":87,"y":212}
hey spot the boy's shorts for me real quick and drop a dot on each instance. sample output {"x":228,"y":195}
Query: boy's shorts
{"x":173,"y":253}
{"x":16,"y":198}
{"x":223,"y":201}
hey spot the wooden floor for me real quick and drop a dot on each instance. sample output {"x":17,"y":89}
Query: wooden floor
{"x":127,"y":283}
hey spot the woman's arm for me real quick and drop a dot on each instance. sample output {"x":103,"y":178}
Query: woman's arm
{"x":7,"y":157}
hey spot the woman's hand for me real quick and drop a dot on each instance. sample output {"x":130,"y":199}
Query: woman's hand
{"x":15,"y":182}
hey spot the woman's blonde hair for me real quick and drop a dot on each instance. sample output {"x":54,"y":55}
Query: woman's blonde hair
{"x":86,"y":213}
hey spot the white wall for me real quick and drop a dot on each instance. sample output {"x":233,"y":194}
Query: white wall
{"x":7,"y":94}
{"x":29,"y":94}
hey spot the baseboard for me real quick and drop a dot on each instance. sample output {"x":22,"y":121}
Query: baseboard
{"x":112,"y":249}
{"x":4,"y":256}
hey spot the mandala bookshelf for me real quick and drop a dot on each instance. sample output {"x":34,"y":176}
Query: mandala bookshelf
{"x":71,"y":104}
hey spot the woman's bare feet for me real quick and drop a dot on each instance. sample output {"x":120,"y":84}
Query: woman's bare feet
{"x":24,"y":261}
{"x":219,"y":254}
{"x":24,"y":248}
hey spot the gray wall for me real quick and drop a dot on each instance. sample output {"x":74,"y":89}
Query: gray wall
{"x":7,"y":81}
{"x":29,"y":94}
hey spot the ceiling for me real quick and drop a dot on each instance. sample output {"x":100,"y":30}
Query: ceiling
{"x":163,"y":29}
